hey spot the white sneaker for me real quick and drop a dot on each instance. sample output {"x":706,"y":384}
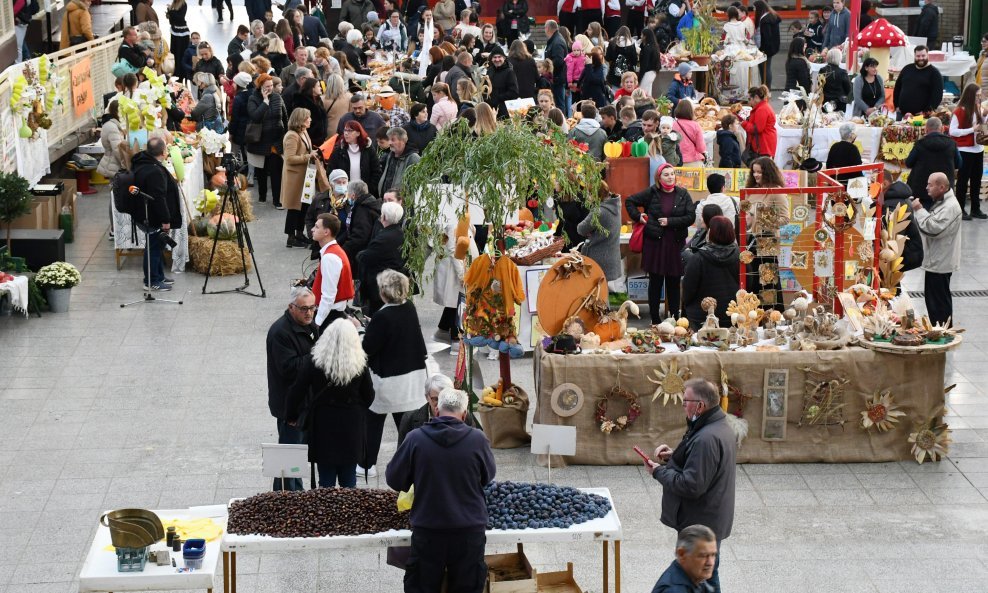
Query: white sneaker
{"x":371,"y":473}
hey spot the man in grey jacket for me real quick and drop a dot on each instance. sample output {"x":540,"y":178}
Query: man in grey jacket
{"x":588,"y":131}
{"x":941,"y":230}
{"x":838,"y":26}
{"x":698,"y":476}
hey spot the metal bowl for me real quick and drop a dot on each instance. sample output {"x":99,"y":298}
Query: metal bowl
{"x":133,"y":528}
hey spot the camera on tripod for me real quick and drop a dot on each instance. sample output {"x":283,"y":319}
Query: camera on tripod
{"x":233,"y":164}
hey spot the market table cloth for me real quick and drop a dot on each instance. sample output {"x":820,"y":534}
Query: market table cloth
{"x":916,"y":382}
{"x":869,"y":139}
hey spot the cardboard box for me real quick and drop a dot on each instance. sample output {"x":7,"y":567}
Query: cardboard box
{"x":558,"y":582}
{"x":510,"y":573}
{"x":32,"y":220}
{"x":638,"y":288}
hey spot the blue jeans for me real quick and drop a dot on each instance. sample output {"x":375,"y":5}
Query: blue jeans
{"x":329,"y":474}
{"x":288,"y":435}
{"x":153,"y":250}
{"x":559,"y":95}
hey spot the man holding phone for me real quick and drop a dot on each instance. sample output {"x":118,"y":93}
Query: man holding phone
{"x":698,"y":476}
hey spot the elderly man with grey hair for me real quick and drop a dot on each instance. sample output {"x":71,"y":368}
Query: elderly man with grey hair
{"x":412,"y":420}
{"x":382,"y":253}
{"x":940,"y":226}
{"x":447,"y":461}
{"x":935,"y":152}
{"x":289,"y":341}
{"x":845,"y":153}
{"x":696,"y":556}
{"x":698,"y":477}
{"x":362,"y":212}
{"x":401,"y":157}
{"x":293,"y":85}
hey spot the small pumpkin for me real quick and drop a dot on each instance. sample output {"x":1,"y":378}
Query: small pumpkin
{"x":225,"y":229}
{"x":188,"y":126}
{"x":612,"y":150}
{"x":609,"y":330}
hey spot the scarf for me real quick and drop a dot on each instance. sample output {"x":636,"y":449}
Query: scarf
{"x":658,"y":177}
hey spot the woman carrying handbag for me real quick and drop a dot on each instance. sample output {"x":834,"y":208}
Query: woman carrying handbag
{"x":297,"y":182}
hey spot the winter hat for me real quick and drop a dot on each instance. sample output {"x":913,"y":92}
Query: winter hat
{"x":665,"y":120}
{"x":497,"y":51}
{"x":337,"y":174}
{"x":242,"y":79}
{"x":683,"y":69}
{"x":372,"y":17}
{"x":577,"y":45}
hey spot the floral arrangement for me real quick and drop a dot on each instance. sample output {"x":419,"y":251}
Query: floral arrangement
{"x":607,"y":426}
{"x":212,"y":142}
{"x":58,"y":275}
{"x":206,"y":201}
{"x":33,"y":95}
{"x":881,"y":411}
{"x":931,"y":439}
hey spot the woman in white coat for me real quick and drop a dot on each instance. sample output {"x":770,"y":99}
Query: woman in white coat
{"x":448,"y":283}
{"x":113,"y":140}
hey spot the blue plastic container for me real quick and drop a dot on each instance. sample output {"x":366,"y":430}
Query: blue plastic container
{"x":193,"y":551}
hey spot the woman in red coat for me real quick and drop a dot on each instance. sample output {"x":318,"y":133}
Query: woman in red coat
{"x":760,"y":125}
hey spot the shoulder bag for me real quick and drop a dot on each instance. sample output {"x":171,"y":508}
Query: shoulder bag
{"x":750,"y":154}
{"x":73,"y":39}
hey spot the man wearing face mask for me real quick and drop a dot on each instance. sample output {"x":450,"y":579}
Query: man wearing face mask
{"x":698,"y":476}
{"x":333,"y":201}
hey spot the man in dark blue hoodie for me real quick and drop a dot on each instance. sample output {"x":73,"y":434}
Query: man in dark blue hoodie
{"x":449,"y":463}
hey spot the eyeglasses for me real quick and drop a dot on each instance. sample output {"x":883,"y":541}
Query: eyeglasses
{"x":695,"y":401}
{"x":310,"y":309}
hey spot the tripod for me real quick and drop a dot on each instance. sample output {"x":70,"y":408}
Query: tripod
{"x":232,"y":197}
{"x":146,"y":227}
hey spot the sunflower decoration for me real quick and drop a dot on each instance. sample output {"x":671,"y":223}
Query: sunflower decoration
{"x":880,"y":411}
{"x":747,"y":257}
{"x":902,"y":150}
{"x":931,"y":439}
{"x":671,"y":380}
{"x":888,"y":151}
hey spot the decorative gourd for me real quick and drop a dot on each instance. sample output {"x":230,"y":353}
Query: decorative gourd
{"x":639,"y":148}
{"x":199,"y":226}
{"x":175,"y":153}
{"x":225,"y":229}
{"x":525,"y":214}
{"x":188,"y":126}
{"x":218,"y":180}
{"x":609,"y":330}
{"x":612,"y":150}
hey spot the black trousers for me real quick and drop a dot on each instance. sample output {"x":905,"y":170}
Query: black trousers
{"x":939,"y":303}
{"x":375,"y":431}
{"x":672,"y":283}
{"x":218,"y":5}
{"x":636,"y":23}
{"x":568,"y":20}
{"x":288,"y":435}
{"x":295,"y":221}
{"x":448,"y":322}
{"x":457,"y":555}
{"x":273,"y":164}
{"x":969,"y":177}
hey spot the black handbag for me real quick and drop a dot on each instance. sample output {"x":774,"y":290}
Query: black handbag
{"x":750,"y":154}
{"x":252,"y":135}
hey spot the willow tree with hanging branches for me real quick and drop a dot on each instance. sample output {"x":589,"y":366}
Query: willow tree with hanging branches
{"x":499,"y":172}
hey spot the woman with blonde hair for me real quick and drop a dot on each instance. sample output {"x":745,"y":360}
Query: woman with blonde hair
{"x":337,"y":98}
{"x":159,"y":48}
{"x":256,"y":32}
{"x":443,"y":108}
{"x":545,"y":102}
{"x":277,"y":52}
{"x":486,"y":120}
{"x":466,"y":90}
{"x":334,"y":388}
{"x":261,"y":65}
{"x":298,"y":154}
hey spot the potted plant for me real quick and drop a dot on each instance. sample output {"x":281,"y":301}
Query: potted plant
{"x":57,"y":280}
{"x":699,"y":40}
{"x":15,"y":201}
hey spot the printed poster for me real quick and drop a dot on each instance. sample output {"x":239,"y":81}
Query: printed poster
{"x":691,"y":179}
{"x":82,"y":87}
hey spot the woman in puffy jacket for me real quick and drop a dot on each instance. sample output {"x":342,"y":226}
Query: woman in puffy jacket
{"x":267,"y":108}
{"x":113,"y":139}
{"x":691,"y":142}
{"x":206,"y":113}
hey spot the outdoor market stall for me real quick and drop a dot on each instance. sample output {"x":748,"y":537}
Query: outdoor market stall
{"x":606,"y":529}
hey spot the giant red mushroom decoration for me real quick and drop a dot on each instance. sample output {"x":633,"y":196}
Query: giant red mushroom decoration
{"x":877,"y":38}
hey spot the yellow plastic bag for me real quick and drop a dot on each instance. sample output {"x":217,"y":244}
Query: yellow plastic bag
{"x":406,"y":499}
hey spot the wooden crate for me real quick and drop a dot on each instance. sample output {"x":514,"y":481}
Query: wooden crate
{"x":558,"y":582}
{"x":522,"y":578}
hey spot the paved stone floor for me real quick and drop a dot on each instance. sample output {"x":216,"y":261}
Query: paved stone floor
{"x":164,"y":406}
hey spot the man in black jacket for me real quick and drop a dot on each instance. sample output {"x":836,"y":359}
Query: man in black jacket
{"x":698,"y":477}
{"x":364,"y":210}
{"x":164,"y":210}
{"x":416,"y":418}
{"x":312,"y":28}
{"x":556,"y":50}
{"x":935,"y":152}
{"x":928,"y":23}
{"x":924,"y":83}
{"x":289,"y":341}
{"x":129,"y":51}
{"x":447,"y":461}
{"x":238,"y":44}
{"x":504,"y":84}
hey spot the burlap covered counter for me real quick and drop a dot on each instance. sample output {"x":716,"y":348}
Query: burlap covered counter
{"x":915,"y":381}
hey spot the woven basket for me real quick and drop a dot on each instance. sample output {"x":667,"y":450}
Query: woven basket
{"x":537,"y":256}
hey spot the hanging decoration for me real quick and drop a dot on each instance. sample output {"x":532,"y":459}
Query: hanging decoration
{"x":880,"y":411}
{"x":931,"y":439}
{"x":33,"y":95}
{"x":823,"y":401}
{"x":621,"y":422}
{"x":671,"y":380}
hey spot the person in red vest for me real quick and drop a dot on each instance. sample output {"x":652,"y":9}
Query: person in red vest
{"x":567,"y":15}
{"x":591,"y":11}
{"x":333,"y":285}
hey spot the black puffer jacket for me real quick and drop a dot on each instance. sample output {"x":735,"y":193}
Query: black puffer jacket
{"x":912,"y":254}
{"x":153,"y":179}
{"x":682,"y":216}
{"x":712,"y":271}
{"x":273,"y":119}
{"x":933,"y":153}
{"x":239,"y":115}
{"x":504,"y":87}
{"x":527,"y":75}
{"x":365,"y":210}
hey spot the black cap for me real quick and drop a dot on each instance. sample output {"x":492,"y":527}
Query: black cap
{"x":497,"y":51}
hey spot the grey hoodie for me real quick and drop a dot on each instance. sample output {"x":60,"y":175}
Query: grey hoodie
{"x":589,"y":131}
